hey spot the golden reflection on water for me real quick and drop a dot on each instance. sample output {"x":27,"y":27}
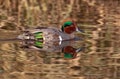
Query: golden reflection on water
{"x":100,"y":58}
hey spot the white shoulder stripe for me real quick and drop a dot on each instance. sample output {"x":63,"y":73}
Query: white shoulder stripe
{"x":60,"y":38}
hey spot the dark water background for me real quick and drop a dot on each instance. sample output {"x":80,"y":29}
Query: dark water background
{"x":100,"y":58}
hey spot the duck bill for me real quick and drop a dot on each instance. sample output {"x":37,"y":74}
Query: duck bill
{"x":82,"y":32}
{"x":79,"y":30}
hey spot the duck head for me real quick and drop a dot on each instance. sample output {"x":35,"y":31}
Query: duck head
{"x":70,"y":27}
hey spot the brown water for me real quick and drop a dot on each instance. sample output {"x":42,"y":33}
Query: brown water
{"x":100,"y":58}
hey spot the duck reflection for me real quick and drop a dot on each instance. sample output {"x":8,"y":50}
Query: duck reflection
{"x":68,"y":48}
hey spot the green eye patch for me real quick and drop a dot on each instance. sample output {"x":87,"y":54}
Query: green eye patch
{"x":68,"y":23}
{"x":68,"y":55}
{"x":39,"y":35}
{"x":39,"y":44}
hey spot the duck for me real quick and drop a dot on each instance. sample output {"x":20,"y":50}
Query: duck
{"x":48,"y":34}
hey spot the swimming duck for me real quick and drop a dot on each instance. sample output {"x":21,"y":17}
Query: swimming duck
{"x":48,"y":34}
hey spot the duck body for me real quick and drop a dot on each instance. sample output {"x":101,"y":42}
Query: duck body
{"x":47,"y":34}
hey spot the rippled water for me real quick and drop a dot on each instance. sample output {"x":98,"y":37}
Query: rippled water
{"x":99,"y":58}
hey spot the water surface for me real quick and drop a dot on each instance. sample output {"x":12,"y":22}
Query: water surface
{"x":100,"y":58}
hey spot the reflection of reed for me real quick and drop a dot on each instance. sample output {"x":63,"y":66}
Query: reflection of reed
{"x":34,"y":13}
{"x":106,"y":46}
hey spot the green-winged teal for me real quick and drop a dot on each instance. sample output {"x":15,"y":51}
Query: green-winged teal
{"x":51,"y":34}
{"x":52,"y":39}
